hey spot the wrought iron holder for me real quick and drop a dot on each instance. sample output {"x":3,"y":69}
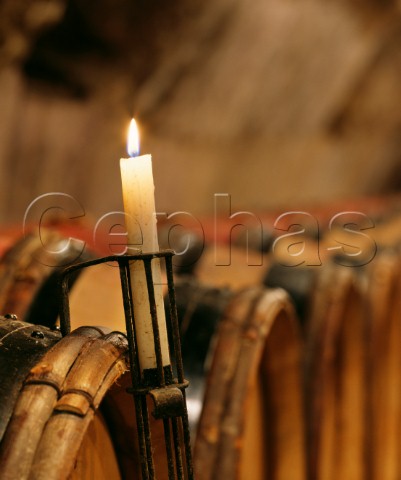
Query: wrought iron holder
{"x":167,"y":389}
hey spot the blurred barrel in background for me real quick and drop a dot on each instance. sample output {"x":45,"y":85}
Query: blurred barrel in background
{"x":242,"y":352}
{"x":336,"y":382}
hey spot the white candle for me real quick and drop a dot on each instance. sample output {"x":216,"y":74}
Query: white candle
{"x":141,"y":224}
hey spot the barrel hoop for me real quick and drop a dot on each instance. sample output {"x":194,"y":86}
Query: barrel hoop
{"x":44,"y":381}
{"x":77,"y":391}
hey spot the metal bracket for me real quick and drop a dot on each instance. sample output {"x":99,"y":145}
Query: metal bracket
{"x":168,"y":401}
{"x":167,"y":388}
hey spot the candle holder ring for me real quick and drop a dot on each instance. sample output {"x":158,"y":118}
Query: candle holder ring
{"x":165,"y":385}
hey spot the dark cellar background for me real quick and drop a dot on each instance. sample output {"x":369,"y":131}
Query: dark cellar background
{"x":280,"y":104}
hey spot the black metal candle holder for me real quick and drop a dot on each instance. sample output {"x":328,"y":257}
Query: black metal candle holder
{"x":166,"y":391}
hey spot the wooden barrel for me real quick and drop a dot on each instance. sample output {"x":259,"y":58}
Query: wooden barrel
{"x":29,"y":274}
{"x":336,"y":377}
{"x":350,"y":316}
{"x":383,"y":312}
{"x":244,"y":356}
{"x":68,"y":408}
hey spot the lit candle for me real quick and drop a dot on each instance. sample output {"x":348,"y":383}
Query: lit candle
{"x":141,"y":224}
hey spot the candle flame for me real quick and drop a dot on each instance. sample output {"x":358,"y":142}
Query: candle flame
{"x":133,"y":139}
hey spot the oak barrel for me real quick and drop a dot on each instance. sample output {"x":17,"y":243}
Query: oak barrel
{"x":243,"y":353}
{"x":29,"y":274}
{"x":336,"y":377}
{"x":383,"y":313}
{"x":68,"y":407}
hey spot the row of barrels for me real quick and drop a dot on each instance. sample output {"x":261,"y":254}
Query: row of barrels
{"x":348,"y":310}
{"x":270,"y":397}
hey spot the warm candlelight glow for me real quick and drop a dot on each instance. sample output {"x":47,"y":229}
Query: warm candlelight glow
{"x":133,"y":139}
